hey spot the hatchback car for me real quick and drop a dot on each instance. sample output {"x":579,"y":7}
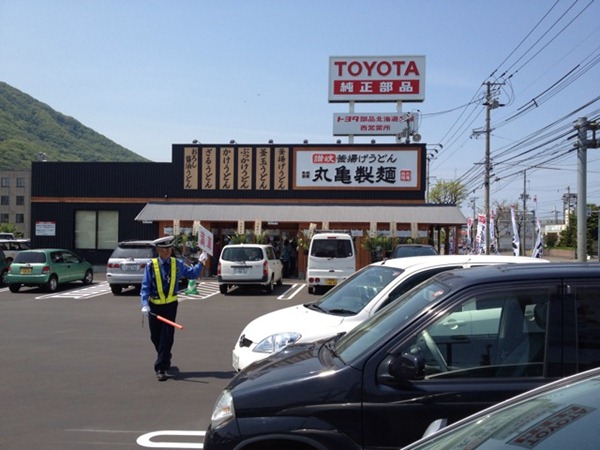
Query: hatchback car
{"x":351,"y":302}
{"x":249,"y":264}
{"x":127,"y":264}
{"x":408,"y":250}
{"x":559,"y":415}
{"x":47,"y":267}
{"x":455,"y":344}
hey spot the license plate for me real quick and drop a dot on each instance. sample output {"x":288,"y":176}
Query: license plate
{"x":330,"y":281}
{"x":25,"y":271}
{"x":130,"y":267}
{"x":240,"y":270}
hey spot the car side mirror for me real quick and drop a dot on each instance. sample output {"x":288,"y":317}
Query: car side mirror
{"x":398,"y":368}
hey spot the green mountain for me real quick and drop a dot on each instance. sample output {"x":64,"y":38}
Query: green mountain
{"x":29,"y":127}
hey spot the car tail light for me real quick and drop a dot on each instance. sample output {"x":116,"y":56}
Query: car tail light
{"x":143,"y":265}
{"x":314,"y":280}
{"x":219,"y":269}
{"x":46,"y":270}
{"x":266,"y":268}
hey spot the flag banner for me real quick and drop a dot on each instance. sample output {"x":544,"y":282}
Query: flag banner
{"x":537,"y":250}
{"x":493,"y":242}
{"x":516,"y":243}
{"x":480,"y":239}
{"x":469,"y":231}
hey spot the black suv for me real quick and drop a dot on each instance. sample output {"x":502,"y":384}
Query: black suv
{"x":453,"y":345}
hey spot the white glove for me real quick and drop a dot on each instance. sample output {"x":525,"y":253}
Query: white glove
{"x":203,"y":257}
{"x":145,"y":310}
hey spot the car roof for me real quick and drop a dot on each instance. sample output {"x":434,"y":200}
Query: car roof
{"x":136,"y":243}
{"x":247,"y":245}
{"x":519,"y":272}
{"x":425,"y":261}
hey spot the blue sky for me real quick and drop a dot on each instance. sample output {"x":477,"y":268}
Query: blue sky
{"x":150,"y":73}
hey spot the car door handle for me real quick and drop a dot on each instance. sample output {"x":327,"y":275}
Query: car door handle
{"x":454,"y":324}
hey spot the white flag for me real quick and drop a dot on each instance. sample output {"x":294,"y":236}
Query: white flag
{"x":516,"y":243}
{"x":538,"y":249}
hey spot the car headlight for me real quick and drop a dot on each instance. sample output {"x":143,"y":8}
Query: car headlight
{"x":223,"y":411}
{"x":276,"y":342}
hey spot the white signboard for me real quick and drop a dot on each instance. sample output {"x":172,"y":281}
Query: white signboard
{"x":205,"y":240}
{"x":45,"y":228}
{"x":357,"y":168}
{"x":376,"y":78}
{"x":371,"y":124}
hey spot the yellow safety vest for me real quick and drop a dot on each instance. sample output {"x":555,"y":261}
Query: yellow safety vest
{"x":172,"y":297}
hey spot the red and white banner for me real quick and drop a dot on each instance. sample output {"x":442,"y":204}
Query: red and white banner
{"x":376,"y":78}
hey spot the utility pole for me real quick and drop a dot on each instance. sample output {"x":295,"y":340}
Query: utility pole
{"x":525,"y":197}
{"x":489,"y":105}
{"x":583,"y":126}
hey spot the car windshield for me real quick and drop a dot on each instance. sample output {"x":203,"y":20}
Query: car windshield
{"x":389,"y":320}
{"x":242,"y":254}
{"x":354,"y":293}
{"x":30,"y":257}
{"x":559,"y":418}
{"x":134,"y":252}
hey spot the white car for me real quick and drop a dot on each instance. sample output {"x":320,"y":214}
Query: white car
{"x":349,"y":303}
{"x":249,"y":264}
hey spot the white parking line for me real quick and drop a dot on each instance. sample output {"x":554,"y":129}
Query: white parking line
{"x":290,"y":293}
{"x":145,"y":440}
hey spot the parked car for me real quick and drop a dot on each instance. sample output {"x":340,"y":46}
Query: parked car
{"x":12,"y":247}
{"x":127,"y":264}
{"x":559,"y":415}
{"x":249,"y":264}
{"x":455,"y":344}
{"x":3,"y":268}
{"x":7,"y":236}
{"x":47,"y":267}
{"x":408,"y":250}
{"x":350,"y":303}
{"x":331,"y":259}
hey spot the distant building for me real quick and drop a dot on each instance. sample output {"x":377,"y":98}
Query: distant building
{"x":15,"y":195}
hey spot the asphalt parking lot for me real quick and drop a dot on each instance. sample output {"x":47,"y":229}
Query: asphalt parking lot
{"x":77,"y":368}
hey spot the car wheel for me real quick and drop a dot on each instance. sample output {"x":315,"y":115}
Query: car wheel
{"x":14,"y":287}
{"x":116,"y":289}
{"x":4,"y":278}
{"x":223,"y":289}
{"x":52,"y":284}
{"x":311,"y":290}
{"x":280,"y":281}
{"x":269,"y":287}
{"x":89,"y":277}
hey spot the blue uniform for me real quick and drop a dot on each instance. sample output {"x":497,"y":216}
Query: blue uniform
{"x":162,"y":335}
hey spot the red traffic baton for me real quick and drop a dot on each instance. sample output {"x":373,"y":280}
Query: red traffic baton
{"x":167,"y":321}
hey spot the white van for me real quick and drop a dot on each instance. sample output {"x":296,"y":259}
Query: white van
{"x":331,"y":259}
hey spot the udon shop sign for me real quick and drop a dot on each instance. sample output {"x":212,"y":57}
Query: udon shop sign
{"x":357,"y":168}
{"x":376,"y":78}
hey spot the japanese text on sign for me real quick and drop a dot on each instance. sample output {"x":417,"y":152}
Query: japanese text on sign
{"x":354,"y":168}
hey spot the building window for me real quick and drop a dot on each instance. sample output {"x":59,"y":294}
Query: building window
{"x":20,"y":182}
{"x":20,"y":218}
{"x":5,"y":182}
{"x":4,"y":200}
{"x":20,"y":200}
{"x":3,"y":218}
{"x":96,"y":229}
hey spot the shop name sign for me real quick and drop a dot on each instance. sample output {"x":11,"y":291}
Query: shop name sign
{"x":369,"y":124}
{"x":357,"y":168}
{"x":376,"y":78}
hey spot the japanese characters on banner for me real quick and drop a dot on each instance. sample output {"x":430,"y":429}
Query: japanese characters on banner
{"x":469,"y":231}
{"x":205,"y":240}
{"x":493,"y":242}
{"x":481,"y":234}
{"x":516,"y":241}
{"x":376,"y":78}
{"x":394,"y":168}
{"x":375,"y":124}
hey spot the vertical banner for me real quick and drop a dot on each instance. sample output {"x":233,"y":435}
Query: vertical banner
{"x":325,"y":225}
{"x":190,"y":168}
{"x":537,"y":250}
{"x":257,"y":227}
{"x":195,"y":228}
{"x":241,"y":227}
{"x":373,"y":229}
{"x":282,"y":168}
{"x":244,"y":168}
{"x":263,"y":169}
{"x":176,"y":227}
{"x":393,"y":229}
{"x":209,"y":168}
{"x":469,"y":231}
{"x":516,"y":241}
{"x":480,"y":239}
{"x":226,"y":158}
{"x":493,"y":243}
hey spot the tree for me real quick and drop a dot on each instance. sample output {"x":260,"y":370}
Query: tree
{"x":448,"y":193}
